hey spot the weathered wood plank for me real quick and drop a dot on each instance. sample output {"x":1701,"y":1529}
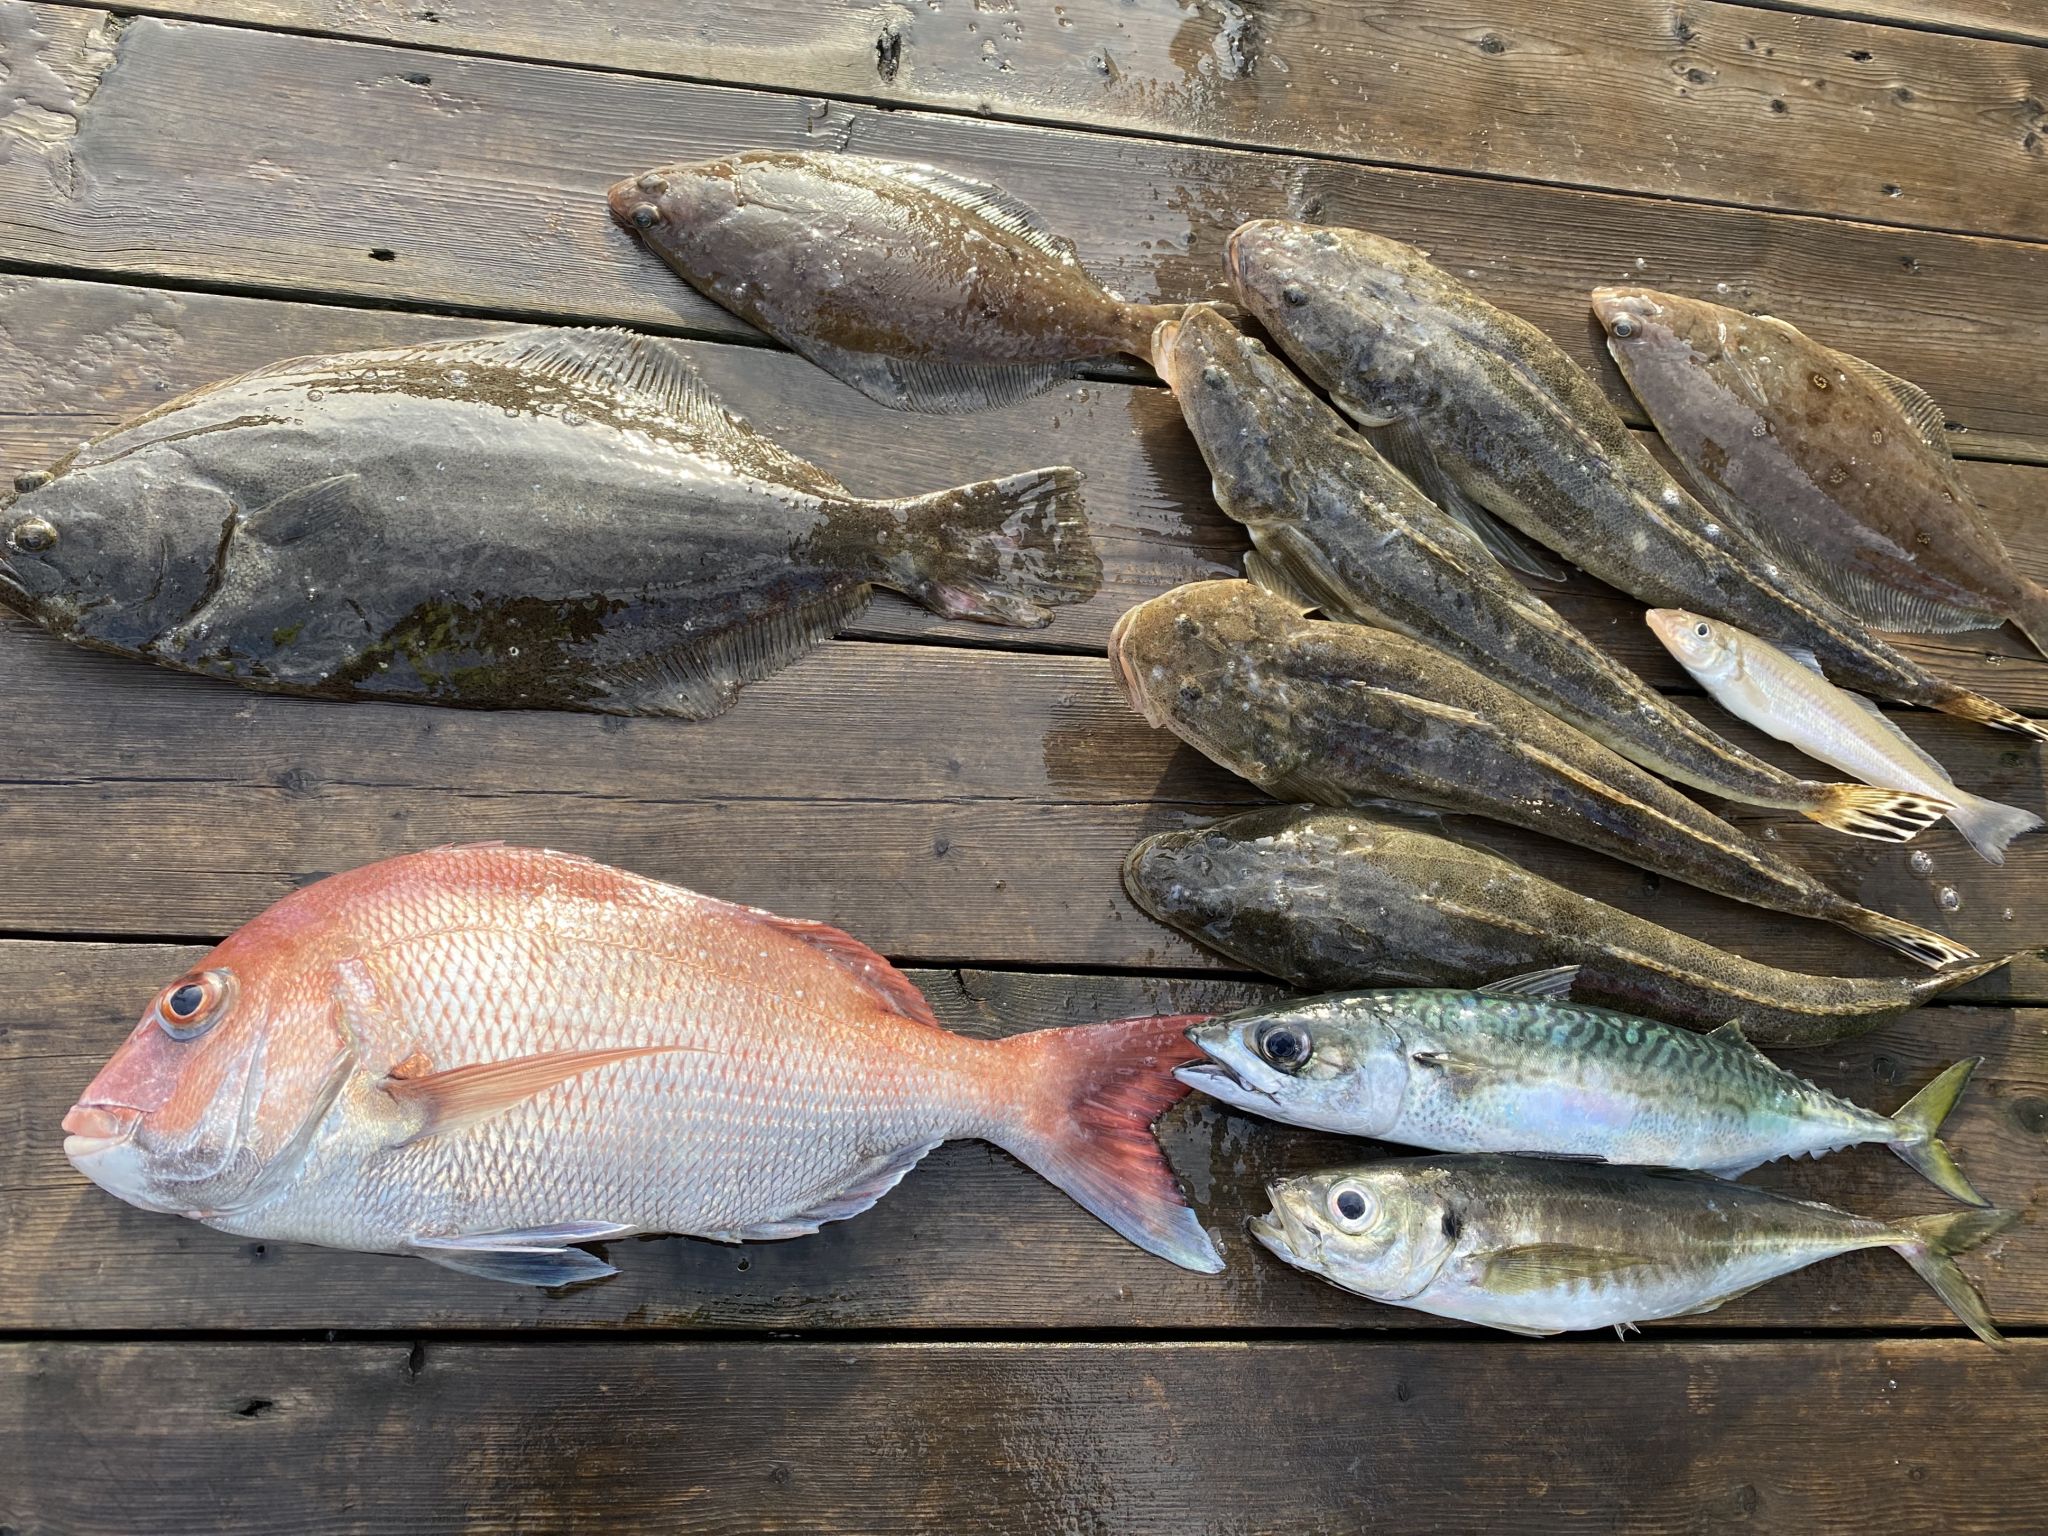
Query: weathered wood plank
{"x":332,"y":167}
{"x":971,"y":806}
{"x":2019,"y":21}
{"x":1316,"y":1438}
{"x":1714,"y":101}
{"x":970,"y":1240}
{"x":77,"y":358}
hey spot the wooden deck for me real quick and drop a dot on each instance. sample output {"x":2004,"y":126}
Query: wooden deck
{"x":195,"y":187}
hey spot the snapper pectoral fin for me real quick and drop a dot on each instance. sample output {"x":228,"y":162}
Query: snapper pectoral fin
{"x":526,"y":1255}
{"x":443,"y":1103}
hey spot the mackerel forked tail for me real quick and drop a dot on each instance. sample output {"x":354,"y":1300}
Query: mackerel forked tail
{"x":1883,"y":815}
{"x":1920,"y":1117}
{"x":999,"y":551}
{"x":1909,"y":939}
{"x":1930,"y":1244}
{"x":1087,"y":1099}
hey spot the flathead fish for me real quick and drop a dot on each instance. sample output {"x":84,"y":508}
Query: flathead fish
{"x":1461,"y":1071}
{"x":1325,"y":899}
{"x":1839,"y":469}
{"x":1487,"y":408}
{"x":538,"y":519}
{"x":1788,"y":697}
{"x":1333,"y":521}
{"x":488,"y":1056}
{"x":1341,"y":714}
{"x":922,"y":288}
{"x":1539,"y":1246}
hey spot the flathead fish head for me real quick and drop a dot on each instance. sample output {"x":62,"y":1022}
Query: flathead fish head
{"x":1245,"y":407}
{"x":1710,"y":650}
{"x":1354,"y":310}
{"x":1206,"y":661}
{"x":115,"y":553}
{"x":209,"y":1103}
{"x":1378,"y":1229}
{"x":1335,"y":1063}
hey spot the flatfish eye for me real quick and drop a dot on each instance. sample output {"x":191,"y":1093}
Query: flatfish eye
{"x":646,"y":216}
{"x":1624,"y":327}
{"x":1215,"y":377}
{"x":1351,"y":1206}
{"x":31,"y":536}
{"x":1294,"y":294}
{"x":192,"y":1005}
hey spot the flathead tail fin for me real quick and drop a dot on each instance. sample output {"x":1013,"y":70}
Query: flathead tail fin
{"x":1989,"y":826}
{"x":2030,"y":614}
{"x":1143,"y":322}
{"x":1920,"y":1117}
{"x":1926,"y":988}
{"x":1883,"y":815}
{"x":1092,"y":1093}
{"x":1909,"y":939}
{"x":1974,"y":706}
{"x":999,"y":551}
{"x":1930,"y":1244}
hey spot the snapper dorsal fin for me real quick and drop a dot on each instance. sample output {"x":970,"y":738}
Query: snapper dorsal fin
{"x":985,"y":201}
{"x":889,"y":986}
{"x":1914,"y":403}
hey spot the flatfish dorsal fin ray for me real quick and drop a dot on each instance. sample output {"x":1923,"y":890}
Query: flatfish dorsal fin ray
{"x":986,"y":201}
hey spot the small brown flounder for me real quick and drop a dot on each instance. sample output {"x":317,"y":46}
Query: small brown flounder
{"x":537,"y":519}
{"x":922,"y":288}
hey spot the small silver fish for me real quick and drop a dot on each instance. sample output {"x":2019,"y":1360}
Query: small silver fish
{"x":1538,"y":1245}
{"x":1784,"y":695}
{"x":1459,"y":1071}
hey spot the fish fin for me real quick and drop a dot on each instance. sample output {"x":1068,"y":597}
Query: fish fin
{"x":1308,"y":784}
{"x":1552,"y":983}
{"x":1805,"y":658}
{"x":1914,"y":403}
{"x":868,"y":1184}
{"x":1909,"y":939}
{"x":889,"y":986}
{"x":525,"y":1256}
{"x":1450,"y":1064}
{"x":1525,"y":1333}
{"x":1087,"y":1097}
{"x":1930,"y":1244}
{"x":1731,"y":1033}
{"x":322,"y":507}
{"x":1001,"y":551}
{"x":931,"y":388}
{"x":1989,"y":826}
{"x":986,"y":201}
{"x":1401,"y":443}
{"x":1880,"y":603}
{"x":454,"y":1100}
{"x":702,"y":677}
{"x":1713,"y":1303}
{"x":1920,"y":1117}
{"x":2030,"y":614}
{"x":1533,"y":1266}
{"x":1882,"y":815}
{"x":1263,"y":572}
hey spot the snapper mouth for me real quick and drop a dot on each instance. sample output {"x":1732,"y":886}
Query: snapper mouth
{"x":91,"y":1129}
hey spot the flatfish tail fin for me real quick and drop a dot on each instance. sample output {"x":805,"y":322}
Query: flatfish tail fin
{"x":2030,"y":613}
{"x":999,"y":551}
{"x":1930,"y":1244}
{"x":1883,"y":815}
{"x":1088,"y":1097}
{"x":1931,"y":949}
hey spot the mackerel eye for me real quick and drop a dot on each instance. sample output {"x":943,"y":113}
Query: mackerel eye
{"x":646,"y":216}
{"x":1351,"y":1207}
{"x":1286,"y":1046}
{"x":187,"y":1009}
{"x":1624,"y":327}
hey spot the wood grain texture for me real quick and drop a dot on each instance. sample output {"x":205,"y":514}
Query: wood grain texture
{"x":2019,"y":21}
{"x":1318,"y":1439}
{"x":971,"y":1240}
{"x":331,"y":167}
{"x":1720,"y":102}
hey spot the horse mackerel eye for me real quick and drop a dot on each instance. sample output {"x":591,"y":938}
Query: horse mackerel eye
{"x":1350,"y":1205}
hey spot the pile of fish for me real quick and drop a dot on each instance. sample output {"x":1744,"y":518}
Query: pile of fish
{"x":572,"y":520}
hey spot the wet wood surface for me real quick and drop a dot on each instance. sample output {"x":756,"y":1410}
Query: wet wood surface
{"x":192,"y":188}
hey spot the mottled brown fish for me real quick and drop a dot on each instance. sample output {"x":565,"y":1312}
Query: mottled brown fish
{"x":1836,"y":467}
{"x":1488,"y":409}
{"x":1341,"y":714}
{"x":924,"y":289}
{"x":537,"y":519}
{"x":1326,"y":899}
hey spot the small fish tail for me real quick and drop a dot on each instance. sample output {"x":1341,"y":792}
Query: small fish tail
{"x":1143,"y":322}
{"x":1927,"y":988}
{"x":1909,"y":939}
{"x":1000,"y":551}
{"x":1883,"y":815}
{"x":1975,"y":707}
{"x":1920,"y":1117}
{"x":1989,"y":826}
{"x":1086,"y":1125}
{"x":1930,"y":1244}
{"x":2030,"y":613}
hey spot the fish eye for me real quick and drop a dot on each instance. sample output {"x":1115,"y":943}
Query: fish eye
{"x":1701,"y":630}
{"x":1351,"y":1205}
{"x":646,"y":216}
{"x":1214,"y":377}
{"x":189,"y":1007}
{"x":1624,"y":327}
{"x":1294,"y":294}
{"x":1286,"y":1046}
{"x":31,"y":536}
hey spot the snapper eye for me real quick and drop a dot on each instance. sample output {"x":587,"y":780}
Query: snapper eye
{"x":1351,"y":1206}
{"x":187,"y":1009}
{"x":1286,"y":1046}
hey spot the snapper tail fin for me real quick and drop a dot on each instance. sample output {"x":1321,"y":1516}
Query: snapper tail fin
{"x":1918,"y":1120}
{"x":1930,"y":1244}
{"x":1883,"y":815}
{"x":1084,"y":1121}
{"x":1000,"y":551}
